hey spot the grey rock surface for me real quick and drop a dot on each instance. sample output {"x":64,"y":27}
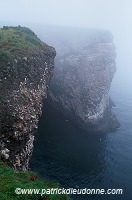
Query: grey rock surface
{"x":84,"y":69}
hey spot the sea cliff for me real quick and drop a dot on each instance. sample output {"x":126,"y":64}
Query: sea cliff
{"x":84,"y":69}
{"x":26,"y":67}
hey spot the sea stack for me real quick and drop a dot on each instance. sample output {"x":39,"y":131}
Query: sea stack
{"x":84,"y":68}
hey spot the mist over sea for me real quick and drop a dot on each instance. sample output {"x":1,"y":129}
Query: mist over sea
{"x":65,"y":154}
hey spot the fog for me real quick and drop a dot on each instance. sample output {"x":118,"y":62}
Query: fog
{"x":114,"y":15}
{"x":95,"y":13}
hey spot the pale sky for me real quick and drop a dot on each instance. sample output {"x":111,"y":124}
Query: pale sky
{"x":91,"y":13}
{"x":115,"y":15}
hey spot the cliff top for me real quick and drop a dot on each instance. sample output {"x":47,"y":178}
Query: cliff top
{"x":72,"y":39}
{"x":11,"y":180}
{"x":17,"y":42}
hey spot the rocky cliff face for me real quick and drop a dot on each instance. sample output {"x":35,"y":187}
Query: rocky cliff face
{"x":26,"y":68}
{"x":85,"y":66}
{"x":84,"y":69}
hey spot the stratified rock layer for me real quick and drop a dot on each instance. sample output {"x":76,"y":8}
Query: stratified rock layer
{"x":24,"y":81}
{"x":84,"y":69}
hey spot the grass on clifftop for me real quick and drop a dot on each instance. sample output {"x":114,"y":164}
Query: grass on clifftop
{"x":16,"y":42}
{"x":10,"y":180}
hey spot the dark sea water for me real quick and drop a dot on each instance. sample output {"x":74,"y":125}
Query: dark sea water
{"x":65,"y":154}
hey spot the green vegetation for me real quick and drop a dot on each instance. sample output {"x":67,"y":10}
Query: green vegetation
{"x":10,"y":180}
{"x":16,"y":42}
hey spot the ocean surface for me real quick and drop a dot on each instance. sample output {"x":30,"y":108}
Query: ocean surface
{"x":65,"y":154}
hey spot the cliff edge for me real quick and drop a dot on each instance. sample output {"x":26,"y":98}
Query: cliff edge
{"x":26,"y":67}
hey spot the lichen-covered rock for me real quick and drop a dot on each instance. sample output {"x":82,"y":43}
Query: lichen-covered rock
{"x":84,"y":69}
{"x":24,"y":79}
